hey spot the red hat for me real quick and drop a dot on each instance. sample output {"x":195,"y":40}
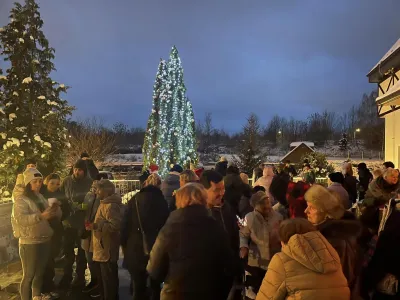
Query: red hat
{"x":199,"y":171}
{"x":153,"y":168}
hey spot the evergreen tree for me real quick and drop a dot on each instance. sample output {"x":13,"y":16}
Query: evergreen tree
{"x":343,"y":142}
{"x":155,"y":141}
{"x":33,"y":115}
{"x":170,"y":137}
{"x":250,"y":151}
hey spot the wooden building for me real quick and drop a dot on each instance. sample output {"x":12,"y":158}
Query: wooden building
{"x":297,"y":153}
{"x":386,"y":74}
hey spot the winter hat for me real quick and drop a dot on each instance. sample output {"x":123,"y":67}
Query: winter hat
{"x":153,"y":168}
{"x":31,"y":174}
{"x":325,"y":201}
{"x":85,"y":154}
{"x":336,"y":177}
{"x":80,"y":164}
{"x":258,"y":198}
{"x":106,"y":185}
{"x":30,"y":161}
{"x":176,"y":168}
{"x":199,"y":171}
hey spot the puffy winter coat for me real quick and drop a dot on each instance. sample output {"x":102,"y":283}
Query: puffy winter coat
{"x":27,"y":222}
{"x":106,"y":236}
{"x":260,"y":236}
{"x":308,"y":268}
{"x":191,"y":255}
{"x":266,"y":179}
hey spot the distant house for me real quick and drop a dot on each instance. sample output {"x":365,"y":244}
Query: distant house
{"x":386,"y":74}
{"x":296,"y":144}
{"x":298,"y":151}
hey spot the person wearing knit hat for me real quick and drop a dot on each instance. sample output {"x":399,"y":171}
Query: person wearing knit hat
{"x":19,"y":183}
{"x":170,"y":184}
{"x":259,"y":239}
{"x":153,"y":168}
{"x":338,"y":226}
{"x":336,"y":185}
{"x":30,"y":221}
{"x":75,"y":187}
{"x":322,"y":204}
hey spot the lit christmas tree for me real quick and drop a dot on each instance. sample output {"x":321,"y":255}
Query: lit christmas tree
{"x":155,"y":146}
{"x":33,"y":115}
{"x":170,"y":137}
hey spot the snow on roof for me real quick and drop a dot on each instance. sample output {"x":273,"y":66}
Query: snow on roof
{"x":388,"y":54}
{"x":299,"y":144}
{"x":393,"y":89}
{"x":296,"y":144}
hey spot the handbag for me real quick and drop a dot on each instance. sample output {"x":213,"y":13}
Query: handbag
{"x":146,"y":249}
{"x":389,"y":285}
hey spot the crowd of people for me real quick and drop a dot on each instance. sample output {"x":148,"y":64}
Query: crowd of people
{"x":208,"y":234}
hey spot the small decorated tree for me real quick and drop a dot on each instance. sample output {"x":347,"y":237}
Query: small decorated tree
{"x":343,"y":142}
{"x":33,"y":114}
{"x":319,"y":164}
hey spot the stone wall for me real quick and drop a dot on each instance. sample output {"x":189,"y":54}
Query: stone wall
{"x":8,"y":244}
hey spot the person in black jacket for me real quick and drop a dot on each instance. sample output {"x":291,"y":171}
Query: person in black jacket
{"x":350,"y":182}
{"x":149,"y":203}
{"x":75,"y":187}
{"x":191,"y":254}
{"x":223,"y":213}
{"x":364,"y":178}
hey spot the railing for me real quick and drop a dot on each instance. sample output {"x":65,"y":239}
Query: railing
{"x":319,"y":180}
{"x":126,"y":188}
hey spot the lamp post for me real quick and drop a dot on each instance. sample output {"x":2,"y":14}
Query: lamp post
{"x":357,"y":130}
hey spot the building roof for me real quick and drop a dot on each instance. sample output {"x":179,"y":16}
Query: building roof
{"x":300,"y":143}
{"x":380,"y":66}
{"x":296,"y":144}
{"x":393,"y":92}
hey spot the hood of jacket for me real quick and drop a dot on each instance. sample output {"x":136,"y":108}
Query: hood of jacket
{"x":343,"y":229}
{"x":314,"y":252}
{"x":268,"y":171}
{"x":172,"y":178}
{"x":114,"y":198}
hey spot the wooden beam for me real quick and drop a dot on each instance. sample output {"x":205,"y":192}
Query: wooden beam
{"x":390,"y":111}
{"x":381,"y":89}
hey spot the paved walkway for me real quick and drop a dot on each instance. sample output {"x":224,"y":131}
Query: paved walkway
{"x":10,"y":277}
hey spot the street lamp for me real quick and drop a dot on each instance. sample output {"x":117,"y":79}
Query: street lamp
{"x":357,"y":130}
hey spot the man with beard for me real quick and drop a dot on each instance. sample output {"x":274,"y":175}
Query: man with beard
{"x":75,"y":187}
{"x":222,"y":212}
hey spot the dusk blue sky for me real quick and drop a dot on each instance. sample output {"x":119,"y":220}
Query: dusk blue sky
{"x":288,"y":57}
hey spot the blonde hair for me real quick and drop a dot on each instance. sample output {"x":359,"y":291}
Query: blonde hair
{"x":390,"y":172}
{"x":153,"y":179}
{"x":349,"y":168}
{"x":325,"y":201}
{"x":244,"y":177}
{"x":188,"y":176}
{"x":191,"y":194}
{"x":376,"y":173}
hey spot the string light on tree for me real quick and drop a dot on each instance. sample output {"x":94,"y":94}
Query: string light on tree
{"x":170,"y":137}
